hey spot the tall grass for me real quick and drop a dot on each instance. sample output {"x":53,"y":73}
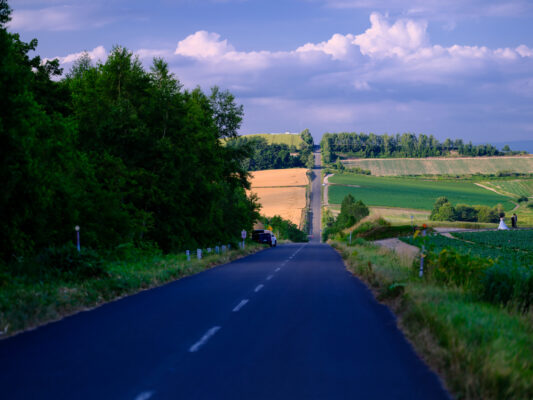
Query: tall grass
{"x":482,"y":350}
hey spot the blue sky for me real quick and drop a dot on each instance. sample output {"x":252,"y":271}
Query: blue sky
{"x":456,"y":68}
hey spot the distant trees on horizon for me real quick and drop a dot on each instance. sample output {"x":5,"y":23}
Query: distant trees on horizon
{"x":351,"y":144}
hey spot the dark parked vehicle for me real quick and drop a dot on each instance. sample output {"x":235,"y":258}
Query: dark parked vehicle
{"x":264,"y":236}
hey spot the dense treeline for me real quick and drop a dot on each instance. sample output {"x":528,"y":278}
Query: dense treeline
{"x":404,"y":145}
{"x":274,"y":156}
{"x":351,"y":213}
{"x":126,"y":154}
{"x":443,"y":210}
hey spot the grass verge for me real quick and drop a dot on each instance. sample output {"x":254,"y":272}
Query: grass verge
{"x":482,"y":351}
{"x":26,"y":304}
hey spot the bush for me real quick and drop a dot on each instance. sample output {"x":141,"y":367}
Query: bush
{"x":455,"y":269}
{"x":523,"y":199}
{"x":69,"y":263}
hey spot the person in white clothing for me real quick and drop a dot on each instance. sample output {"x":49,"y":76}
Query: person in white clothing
{"x":502,"y":225}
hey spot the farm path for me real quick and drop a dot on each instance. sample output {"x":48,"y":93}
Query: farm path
{"x":399,"y":247}
{"x":285,"y":323}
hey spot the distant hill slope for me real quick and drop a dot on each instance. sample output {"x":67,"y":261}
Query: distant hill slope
{"x":290,"y":139}
{"x":441,"y":166}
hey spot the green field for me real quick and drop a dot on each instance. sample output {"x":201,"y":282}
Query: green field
{"x":442,"y":166}
{"x":411,"y":193}
{"x":514,"y":187}
{"x":280,"y":138}
{"x":506,"y":248}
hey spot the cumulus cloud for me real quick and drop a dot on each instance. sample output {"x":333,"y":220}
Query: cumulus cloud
{"x":384,"y":40}
{"x":388,"y":78}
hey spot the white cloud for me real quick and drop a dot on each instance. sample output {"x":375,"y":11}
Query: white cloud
{"x":57,"y":18}
{"x":203,"y":44}
{"x":97,"y":54}
{"x":339,"y":47}
{"x":385,"y":40}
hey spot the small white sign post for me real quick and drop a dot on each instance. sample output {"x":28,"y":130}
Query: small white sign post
{"x":243,"y":236}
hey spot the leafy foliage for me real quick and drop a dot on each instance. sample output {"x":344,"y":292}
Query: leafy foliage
{"x":125,"y":153}
{"x":285,"y":229}
{"x":443,"y":210}
{"x":351,"y":213}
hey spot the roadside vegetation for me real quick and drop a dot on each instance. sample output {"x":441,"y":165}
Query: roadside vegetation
{"x":124,"y":153}
{"x":469,"y":316}
{"x":66,"y":282}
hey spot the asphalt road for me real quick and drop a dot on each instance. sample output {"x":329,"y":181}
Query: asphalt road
{"x":316,"y":200}
{"x":286,"y":323}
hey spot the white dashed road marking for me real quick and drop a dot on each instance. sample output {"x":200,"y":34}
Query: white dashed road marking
{"x":144,"y":395}
{"x":240,"y":305}
{"x":277,"y":269}
{"x":195,"y":347}
{"x":270,"y":277}
{"x":258,"y":288}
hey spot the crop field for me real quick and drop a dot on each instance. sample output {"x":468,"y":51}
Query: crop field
{"x":509,"y":240}
{"x":279,"y":177}
{"x":514,"y":187}
{"x":442,"y":166}
{"x":281,"y":192}
{"x":280,"y":138}
{"x":287,"y":202}
{"x":487,"y":246}
{"x":410,"y":193}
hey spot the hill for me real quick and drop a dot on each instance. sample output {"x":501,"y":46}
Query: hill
{"x":290,"y":139}
{"x":442,"y":165}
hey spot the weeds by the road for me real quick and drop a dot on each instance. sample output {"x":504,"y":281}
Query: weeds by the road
{"x":26,"y":302}
{"x":482,"y":350}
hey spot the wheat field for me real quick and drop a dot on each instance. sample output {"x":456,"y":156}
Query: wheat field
{"x":281,"y":192}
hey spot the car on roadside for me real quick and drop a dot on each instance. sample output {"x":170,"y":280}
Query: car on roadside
{"x":264,"y":236}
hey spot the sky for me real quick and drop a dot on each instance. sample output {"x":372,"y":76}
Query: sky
{"x":455,"y":68}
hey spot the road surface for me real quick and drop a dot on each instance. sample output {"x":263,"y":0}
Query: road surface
{"x":316,"y":200}
{"x":285,"y":323}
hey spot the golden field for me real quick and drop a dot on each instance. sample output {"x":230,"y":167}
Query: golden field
{"x":281,"y":192}
{"x":279,"y":177}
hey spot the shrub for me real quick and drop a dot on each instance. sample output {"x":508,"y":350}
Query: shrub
{"x":523,"y":199}
{"x":70,"y":263}
{"x":461,"y":270}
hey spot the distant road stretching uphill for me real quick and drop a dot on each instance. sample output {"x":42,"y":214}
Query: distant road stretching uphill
{"x":316,"y":200}
{"x":285,"y":323}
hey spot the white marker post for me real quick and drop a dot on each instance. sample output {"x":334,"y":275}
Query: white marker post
{"x":188,"y":253}
{"x":199,"y":254}
{"x":243,"y":236}
{"x":77,"y":228}
{"x":421,"y":272}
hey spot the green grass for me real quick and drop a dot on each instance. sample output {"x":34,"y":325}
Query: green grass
{"x":27,"y":302}
{"x":411,"y":192}
{"x":482,"y":351}
{"x":280,"y":138}
{"x":439,"y":166}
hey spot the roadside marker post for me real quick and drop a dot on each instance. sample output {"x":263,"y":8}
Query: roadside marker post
{"x":421,"y":272}
{"x":188,"y":253}
{"x":350,"y":238}
{"x":243,"y":236}
{"x":199,"y":254}
{"x":223,"y":248}
{"x":77,"y":228}
{"x":217,"y":249}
